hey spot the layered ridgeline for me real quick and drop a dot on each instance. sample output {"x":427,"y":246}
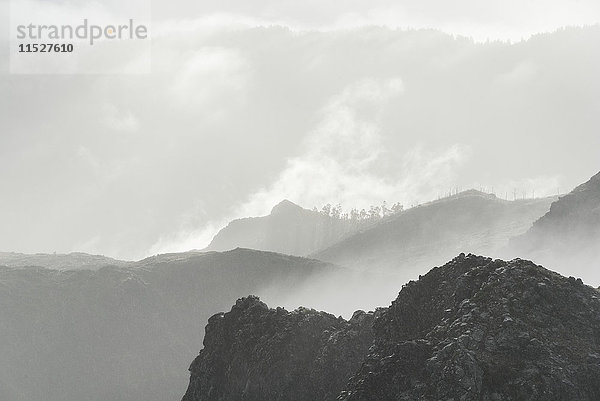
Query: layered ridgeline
{"x":125,"y":333}
{"x":568,"y":236}
{"x":424,"y":236}
{"x":473,"y":329}
{"x":71,"y":261}
{"x":289,"y":229}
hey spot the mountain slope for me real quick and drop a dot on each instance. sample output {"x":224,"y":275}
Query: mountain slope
{"x":289,"y":229}
{"x":428,"y":235}
{"x":568,"y":236}
{"x":125,"y":333}
{"x":473,"y":329}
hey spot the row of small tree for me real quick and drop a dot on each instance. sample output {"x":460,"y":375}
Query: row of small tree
{"x":373,"y":213}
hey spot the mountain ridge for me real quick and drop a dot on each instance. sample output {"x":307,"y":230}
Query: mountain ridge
{"x":68,"y":261}
{"x":101,"y":332}
{"x":429,"y":234}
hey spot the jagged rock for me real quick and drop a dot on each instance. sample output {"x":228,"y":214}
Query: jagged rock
{"x":254,"y":353}
{"x":482,"y":329}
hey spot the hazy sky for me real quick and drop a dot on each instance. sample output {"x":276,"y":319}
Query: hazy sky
{"x":321,"y":108}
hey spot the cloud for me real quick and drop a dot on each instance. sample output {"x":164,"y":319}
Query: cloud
{"x":521,"y":73}
{"x":87,"y":158}
{"x":480,"y":19}
{"x":345,"y":153}
{"x":233,"y":119}
{"x":121,"y":121}
{"x":212,"y":77}
{"x":187,"y":240}
{"x":340,"y":162}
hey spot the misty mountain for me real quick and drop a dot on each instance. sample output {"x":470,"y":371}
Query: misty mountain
{"x":521,"y":115}
{"x":289,"y":229}
{"x":125,"y":333}
{"x":473,"y":329}
{"x":71,"y":261}
{"x":568,"y":236}
{"x":427,"y":235}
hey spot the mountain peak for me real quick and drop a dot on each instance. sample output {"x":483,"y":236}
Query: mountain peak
{"x":286,"y":206}
{"x":288,"y":229}
{"x":470,"y":193}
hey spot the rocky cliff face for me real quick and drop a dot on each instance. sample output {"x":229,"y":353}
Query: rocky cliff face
{"x":255,"y":353}
{"x":473,"y":329}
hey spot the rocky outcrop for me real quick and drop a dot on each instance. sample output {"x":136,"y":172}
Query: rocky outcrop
{"x":473,"y":329}
{"x":254,"y":353}
{"x":478,"y":329}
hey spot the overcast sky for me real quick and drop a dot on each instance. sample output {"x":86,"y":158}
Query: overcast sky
{"x":252,"y":102}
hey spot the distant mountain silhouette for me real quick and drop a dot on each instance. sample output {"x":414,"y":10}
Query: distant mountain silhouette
{"x":125,"y":333}
{"x":71,"y":261}
{"x":417,"y":238}
{"x":567,"y":238}
{"x":289,"y":229}
{"x":473,"y":329}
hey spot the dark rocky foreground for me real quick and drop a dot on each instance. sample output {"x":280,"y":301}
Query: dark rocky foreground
{"x":473,"y":329}
{"x":255,"y":353}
